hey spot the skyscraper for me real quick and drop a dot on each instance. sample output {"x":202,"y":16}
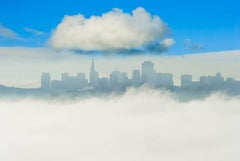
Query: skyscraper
{"x":81,"y":80}
{"x":65,"y":80}
{"x":148,"y":73}
{"x":45,"y":81}
{"x":136,"y":77}
{"x":93,"y":80}
{"x":186,"y":80}
{"x":114,"y":78}
{"x":164,"y":80}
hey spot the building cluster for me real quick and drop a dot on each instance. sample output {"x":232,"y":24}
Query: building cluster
{"x":120,"y":80}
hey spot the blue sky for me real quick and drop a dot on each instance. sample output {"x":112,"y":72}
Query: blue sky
{"x":206,"y":25}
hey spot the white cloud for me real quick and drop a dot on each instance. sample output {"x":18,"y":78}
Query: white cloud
{"x":192,"y":45}
{"x":114,"y":30}
{"x":141,"y":125}
{"x":7,"y":33}
{"x":168,"y":42}
{"x":35,"y":32}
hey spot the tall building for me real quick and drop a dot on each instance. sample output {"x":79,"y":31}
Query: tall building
{"x":65,"y":77}
{"x":123,"y":78}
{"x":56,"y":85}
{"x":114,"y":78}
{"x":103,"y":83}
{"x":45,"y":81}
{"x":65,"y":80}
{"x":148,"y":73}
{"x":164,"y":80}
{"x":136,"y":79}
{"x":186,"y":80}
{"x":217,"y":79}
{"x":81,"y":80}
{"x":93,"y":80}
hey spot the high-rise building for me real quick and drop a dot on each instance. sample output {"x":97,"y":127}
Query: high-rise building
{"x":114,"y":78}
{"x":217,"y":79}
{"x":73,"y":82}
{"x":164,"y":80}
{"x":103,"y":83}
{"x":81,"y":80}
{"x":56,"y":85}
{"x":93,"y":80}
{"x":136,"y":79}
{"x":65,"y":80}
{"x":148,"y":73}
{"x":123,"y":78}
{"x":65,"y":77}
{"x":45,"y":81}
{"x":186,"y":80}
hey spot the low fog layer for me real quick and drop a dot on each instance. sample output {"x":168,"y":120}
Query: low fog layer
{"x":142,"y":125}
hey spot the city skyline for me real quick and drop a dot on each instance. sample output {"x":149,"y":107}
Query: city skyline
{"x":147,"y":75}
{"x":118,"y":82}
{"x":22,"y":69}
{"x":191,"y":43}
{"x":113,"y":80}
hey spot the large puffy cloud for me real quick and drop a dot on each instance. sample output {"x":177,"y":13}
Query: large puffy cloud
{"x":112,"y":31}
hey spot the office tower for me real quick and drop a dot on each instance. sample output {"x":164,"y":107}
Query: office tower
{"x":65,"y":80}
{"x":45,"y":81}
{"x":81,"y":80}
{"x":123,"y":78}
{"x":148,"y":73}
{"x":65,"y":77}
{"x":212,"y":82}
{"x":114,"y":78}
{"x":56,"y":85}
{"x":103,"y":83}
{"x":136,"y":79}
{"x":186,"y":80}
{"x":164,"y":80}
{"x":217,"y":79}
{"x":93,"y":76}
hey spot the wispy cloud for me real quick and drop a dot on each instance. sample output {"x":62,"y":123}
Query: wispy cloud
{"x":192,"y":45}
{"x":34,"y":31}
{"x":8,"y":33}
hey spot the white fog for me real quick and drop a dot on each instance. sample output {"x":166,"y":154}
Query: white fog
{"x":142,"y":125}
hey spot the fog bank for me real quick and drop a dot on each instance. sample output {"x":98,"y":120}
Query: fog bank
{"x":143,"y":125}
